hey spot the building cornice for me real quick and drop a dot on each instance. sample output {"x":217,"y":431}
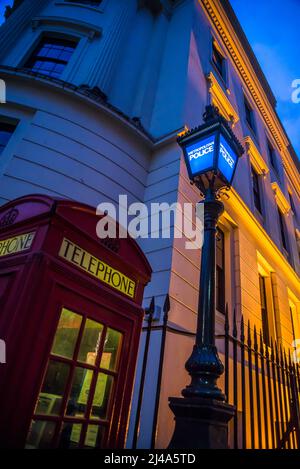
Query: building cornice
{"x":94,"y":97}
{"x":217,"y":15}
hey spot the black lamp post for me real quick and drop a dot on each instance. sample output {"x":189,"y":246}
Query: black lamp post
{"x":211,"y":154}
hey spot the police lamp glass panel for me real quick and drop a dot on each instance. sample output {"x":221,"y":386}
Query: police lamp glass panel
{"x":211,"y":154}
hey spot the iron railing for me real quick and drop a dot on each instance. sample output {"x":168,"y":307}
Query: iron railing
{"x":263,"y":383}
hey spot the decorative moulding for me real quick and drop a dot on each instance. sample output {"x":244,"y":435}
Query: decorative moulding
{"x":220,"y":100}
{"x":256,"y":158}
{"x":280,"y":198}
{"x":76,"y":25}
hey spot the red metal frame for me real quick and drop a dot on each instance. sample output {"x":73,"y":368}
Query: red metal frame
{"x":40,"y":284}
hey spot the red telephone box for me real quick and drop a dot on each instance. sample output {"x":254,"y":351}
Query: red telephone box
{"x":71,"y":317}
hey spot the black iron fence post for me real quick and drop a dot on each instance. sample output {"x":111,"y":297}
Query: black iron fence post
{"x":150,"y":312}
{"x":166,"y":310}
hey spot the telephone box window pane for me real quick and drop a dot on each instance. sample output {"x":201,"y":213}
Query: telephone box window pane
{"x":70,"y":436}
{"x":112,"y":344}
{"x":50,"y":398}
{"x":40,"y":435}
{"x":66,"y":334}
{"x":80,"y":392}
{"x":94,"y":437}
{"x":102,"y":396}
{"x":90,"y":342}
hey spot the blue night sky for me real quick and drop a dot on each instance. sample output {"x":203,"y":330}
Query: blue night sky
{"x":272,"y":29}
{"x":273,"y":32}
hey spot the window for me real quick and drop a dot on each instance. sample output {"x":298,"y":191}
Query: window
{"x":51,"y":56}
{"x":282,"y":230}
{"x":86,"y":2}
{"x":249,"y":114}
{"x":293,"y":207}
{"x":6,"y":131}
{"x":218,"y":61}
{"x":220,"y":271}
{"x":272,"y":157}
{"x":256,"y":190}
{"x":293,"y":324}
{"x":74,"y":405}
{"x":264,"y":310}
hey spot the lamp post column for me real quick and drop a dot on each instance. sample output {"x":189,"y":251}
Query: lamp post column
{"x":204,"y":365}
{"x":202,"y":416}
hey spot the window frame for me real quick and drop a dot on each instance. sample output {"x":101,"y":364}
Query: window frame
{"x":251,"y":123}
{"x":283,"y":232}
{"x":292,"y":202}
{"x":256,"y":191}
{"x":32,"y":56}
{"x":87,"y":419}
{"x":264,"y":310}
{"x":272,"y":156}
{"x":223,"y":72}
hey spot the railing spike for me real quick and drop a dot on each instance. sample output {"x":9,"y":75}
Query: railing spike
{"x":242,"y":329}
{"x":272,"y":349}
{"x":290,"y":359}
{"x":226,"y":327}
{"x":255,"y":339}
{"x":152,"y":306}
{"x":261,"y":343}
{"x":285,"y":359}
{"x":249,"y":334}
{"x":281,"y":355}
{"x":166,"y":307}
{"x":234,"y":331}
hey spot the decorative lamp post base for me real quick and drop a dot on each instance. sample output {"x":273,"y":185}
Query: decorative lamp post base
{"x":200,"y":423}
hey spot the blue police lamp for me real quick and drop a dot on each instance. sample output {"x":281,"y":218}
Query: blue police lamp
{"x":211,"y":152}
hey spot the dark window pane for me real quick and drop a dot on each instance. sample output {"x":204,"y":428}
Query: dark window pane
{"x":49,"y":53}
{"x":6,"y":132}
{"x":90,"y":342}
{"x":66,"y":334}
{"x":79,"y":392}
{"x":272,"y":156}
{"x":51,"y":395}
{"x":94,"y":437}
{"x":218,"y":61}
{"x":293,"y":207}
{"x":282,"y":230}
{"x":40,"y":435}
{"x":256,"y":190}
{"x":102,"y":396}
{"x":112,"y":344}
{"x":264,"y":311}
{"x":249,"y":114}
{"x":70,"y":436}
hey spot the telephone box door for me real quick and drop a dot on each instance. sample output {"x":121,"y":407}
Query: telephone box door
{"x":81,"y":396}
